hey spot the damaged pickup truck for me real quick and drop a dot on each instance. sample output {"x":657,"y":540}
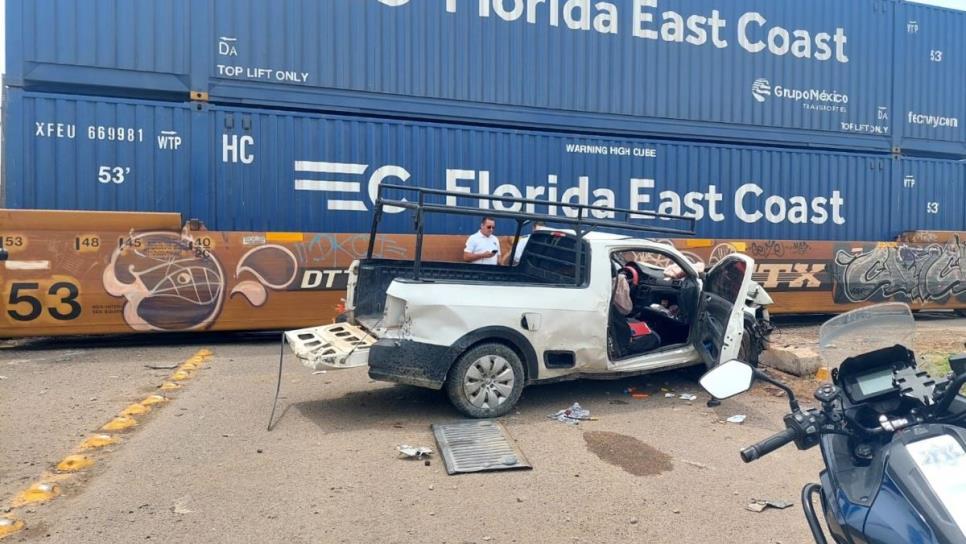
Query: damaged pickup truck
{"x":482,"y":333}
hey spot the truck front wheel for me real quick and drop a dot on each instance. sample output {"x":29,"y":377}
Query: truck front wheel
{"x":486,"y":381}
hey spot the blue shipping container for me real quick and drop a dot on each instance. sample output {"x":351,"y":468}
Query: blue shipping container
{"x":931,"y":78}
{"x":246,"y":169}
{"x":818,"y":73}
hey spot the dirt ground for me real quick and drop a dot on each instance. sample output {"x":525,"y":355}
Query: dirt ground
{"x":203,"y":467}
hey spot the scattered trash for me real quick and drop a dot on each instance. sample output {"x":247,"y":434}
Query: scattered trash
{"x":3,"y":377}
{"x":413,"y":452}
{"x":180,"y":506}
{"x":696,"y":464}
{"x":757,"y":505}
{"x":161,"y":367}
{"x":636,"y":393}
{"x":739,"y":419}
{"x":669,"y":395}
{"x":688,"y":396}
{"x":317,"y":372}
{"x":573,"y":415}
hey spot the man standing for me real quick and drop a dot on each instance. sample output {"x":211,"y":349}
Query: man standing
{"x":483,"y":247}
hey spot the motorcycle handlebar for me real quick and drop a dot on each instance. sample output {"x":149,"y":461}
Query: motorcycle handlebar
{"x":768,"y":445}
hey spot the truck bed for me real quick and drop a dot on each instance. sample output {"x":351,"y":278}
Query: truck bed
{"x":375,"y":276}
{"x":547,"y":260}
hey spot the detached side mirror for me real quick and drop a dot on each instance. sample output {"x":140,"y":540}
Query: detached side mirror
{"x":728,"y":379}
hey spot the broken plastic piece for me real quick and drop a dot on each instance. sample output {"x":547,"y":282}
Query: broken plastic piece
{"x":757,"y":505}
{"x":572,"y":415}
{"x":413,"y":452}
{"x":688,"y":396}
{"x":739,"y":419}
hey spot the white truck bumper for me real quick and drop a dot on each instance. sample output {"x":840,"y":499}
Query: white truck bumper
{"x":335,"y":346}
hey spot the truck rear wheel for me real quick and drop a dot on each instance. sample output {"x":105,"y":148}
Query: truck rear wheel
{"x":486,"y":381}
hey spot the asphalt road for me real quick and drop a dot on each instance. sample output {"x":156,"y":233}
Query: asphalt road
{"x":203,"y":467}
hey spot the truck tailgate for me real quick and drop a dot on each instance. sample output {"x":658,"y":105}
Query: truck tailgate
{"x":336,"y":346}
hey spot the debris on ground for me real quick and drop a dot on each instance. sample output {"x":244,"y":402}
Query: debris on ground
{"x":757,"y":505}
{"x":739,"y":419}
{"x":573,"y":415}
{"x":318,"y":372}
{"x":669,"y":395}
{"x":161,"y":367}
{"x":413,"y":452}
{"x":636,"y":393}
{"x":181,"y":505}
{"x":688,"y":397}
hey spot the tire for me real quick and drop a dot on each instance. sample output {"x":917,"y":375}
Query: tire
{"x":486,"y":381}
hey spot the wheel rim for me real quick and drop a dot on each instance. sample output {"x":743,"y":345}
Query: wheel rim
{"x":489,"y":381}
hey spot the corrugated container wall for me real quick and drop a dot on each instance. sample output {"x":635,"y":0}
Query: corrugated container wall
{"x":929,"y":195}
{"x":241,"y":169}
{"x":815,"y":73}
{"x":931,"y":78}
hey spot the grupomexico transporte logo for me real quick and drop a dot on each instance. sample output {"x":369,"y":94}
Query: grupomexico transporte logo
{"x":810,"y":99}
{"x":761,"y":89}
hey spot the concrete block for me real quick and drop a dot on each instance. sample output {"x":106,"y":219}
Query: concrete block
{"x":802,"y":362}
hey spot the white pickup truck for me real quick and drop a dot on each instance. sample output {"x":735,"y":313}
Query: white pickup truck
{"x":484,"y":332}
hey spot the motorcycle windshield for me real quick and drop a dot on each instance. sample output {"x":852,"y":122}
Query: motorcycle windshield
{"x":864,"y":330}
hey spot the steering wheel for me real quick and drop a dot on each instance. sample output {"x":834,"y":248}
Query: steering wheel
{"x":632,"y":274}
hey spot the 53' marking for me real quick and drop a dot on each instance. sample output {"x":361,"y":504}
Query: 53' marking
{"x":60,"y":301}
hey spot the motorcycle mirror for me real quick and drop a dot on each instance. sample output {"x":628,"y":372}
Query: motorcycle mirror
{"x":727,"y":379}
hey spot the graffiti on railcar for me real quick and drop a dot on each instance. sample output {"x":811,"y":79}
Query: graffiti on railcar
{"x":909,"y":273}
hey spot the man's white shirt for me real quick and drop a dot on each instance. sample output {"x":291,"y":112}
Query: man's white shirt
{"x":478,"y":243}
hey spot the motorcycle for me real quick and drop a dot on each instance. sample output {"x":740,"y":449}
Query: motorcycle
{"x":892,"y":437}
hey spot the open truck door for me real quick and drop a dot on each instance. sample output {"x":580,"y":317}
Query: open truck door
{"x":720,"y":323}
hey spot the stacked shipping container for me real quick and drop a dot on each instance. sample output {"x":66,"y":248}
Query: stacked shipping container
{"x":765,"y":119}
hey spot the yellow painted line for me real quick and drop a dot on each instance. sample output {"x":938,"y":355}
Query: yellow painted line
{"x":9,"y":526}
{"x":37,"y":493}
{"x":98,"y":441}
{"x":135,"y":410}
{"x":75,"y":463}
{"x":284,"y":236}
{"x":47,"y":489}
{"x":180,"y":375}
{"x":154,"y":399}
{"x":119,"y":424}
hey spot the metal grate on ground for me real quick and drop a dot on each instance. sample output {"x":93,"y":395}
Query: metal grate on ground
{"x":477,"y":446}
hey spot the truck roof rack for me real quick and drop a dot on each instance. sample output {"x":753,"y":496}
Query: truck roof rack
{"x":583,"y":223}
